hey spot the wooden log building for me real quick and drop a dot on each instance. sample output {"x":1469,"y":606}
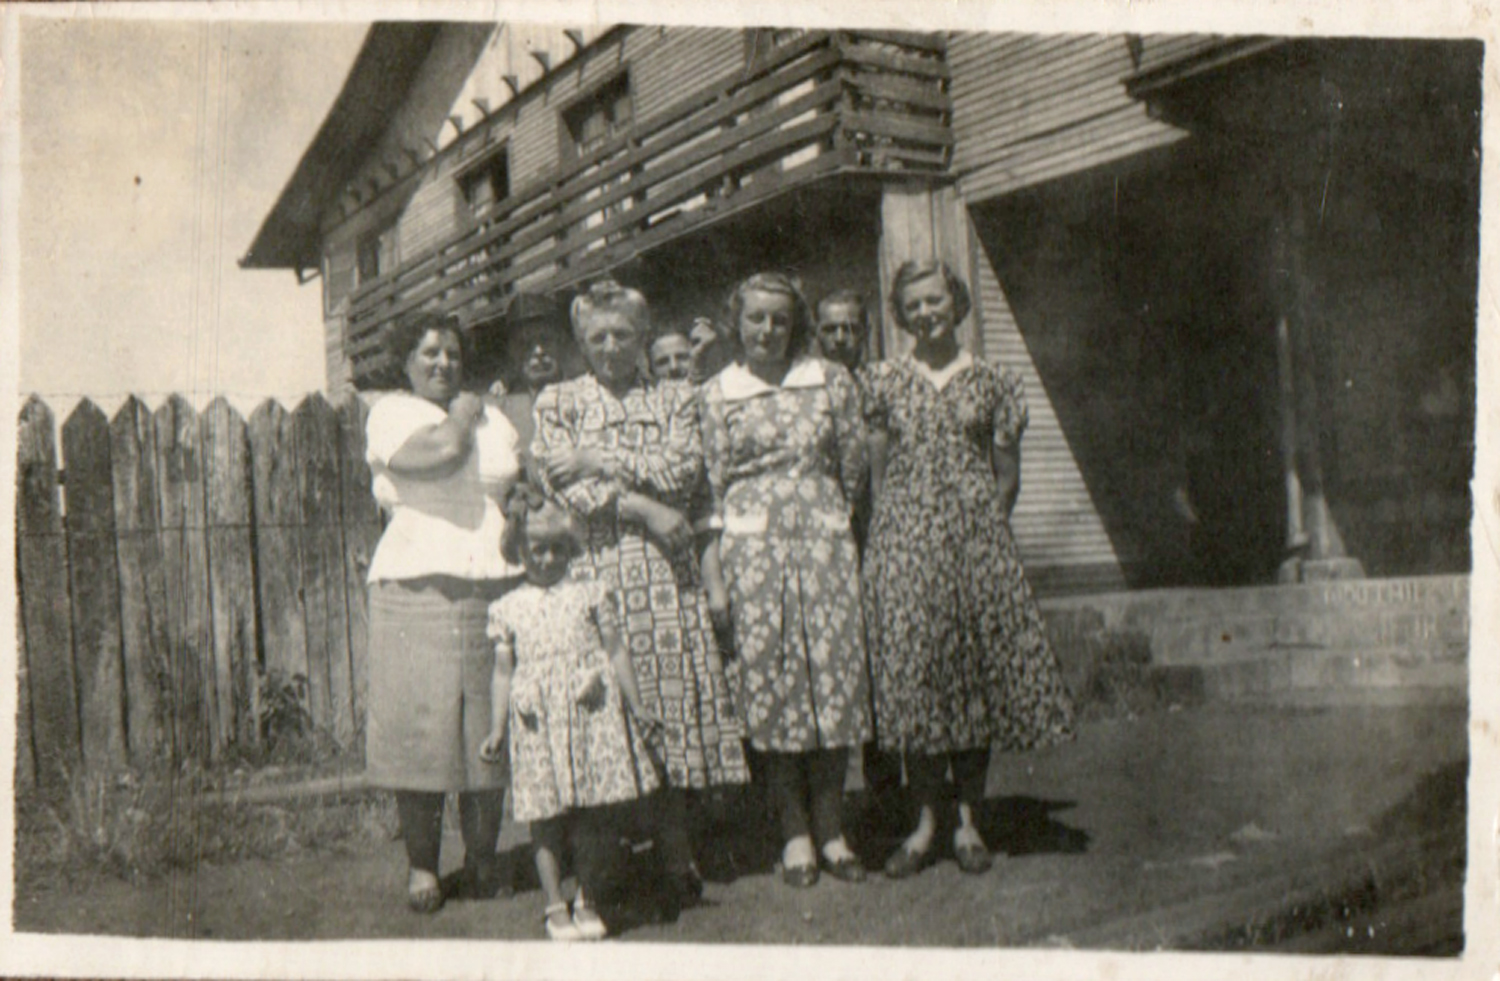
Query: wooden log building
{"x":1237,"y":274}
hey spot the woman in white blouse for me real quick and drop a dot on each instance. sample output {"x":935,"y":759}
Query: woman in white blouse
{"x":442,"y":461}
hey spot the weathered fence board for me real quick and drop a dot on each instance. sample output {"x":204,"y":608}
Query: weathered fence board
{"x":278,"y":561}
{"x":185,"y":561}
{"x":94,"y":585}
{"x":43,"y":573}
{"x":143,"y":591}
{"x":173,"y":563}
{"x":231,"y":574}
{"x":25,"y":758}
{"x":321,"y":542}
{"x":360,"y":517}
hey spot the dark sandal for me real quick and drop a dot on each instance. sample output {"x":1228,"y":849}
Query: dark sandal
{"x":800,"y":876}
{"x":973,"y":859}
{"x":427,"y":900}
{"x":847,"y":869}
{"x":906,"y":863}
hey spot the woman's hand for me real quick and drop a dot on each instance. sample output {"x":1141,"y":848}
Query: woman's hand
{"x":667,"y":525}
{"x":492,"y":750}
{"x":568,"y":465}
{"x":467,"y":408}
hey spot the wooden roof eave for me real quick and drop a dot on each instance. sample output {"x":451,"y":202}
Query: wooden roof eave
{"x":380,"y":78}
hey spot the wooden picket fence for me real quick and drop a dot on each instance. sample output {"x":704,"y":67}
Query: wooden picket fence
{"x":175,"y":561}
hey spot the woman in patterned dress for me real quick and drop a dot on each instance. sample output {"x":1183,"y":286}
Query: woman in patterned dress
{"x":624,"y":453}
{"x":786,"y":455}
{"x":960,"y":659}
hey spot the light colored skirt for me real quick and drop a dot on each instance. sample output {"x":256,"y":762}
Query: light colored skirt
{"x":430,"y":671}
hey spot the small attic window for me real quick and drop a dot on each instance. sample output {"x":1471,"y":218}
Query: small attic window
{"x":598,"y":116}
{"x":487,"y":180}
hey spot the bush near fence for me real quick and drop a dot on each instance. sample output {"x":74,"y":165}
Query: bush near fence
{"x":179,"y":567}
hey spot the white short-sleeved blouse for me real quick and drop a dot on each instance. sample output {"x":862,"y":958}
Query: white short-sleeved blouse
{"x":446,"y":526}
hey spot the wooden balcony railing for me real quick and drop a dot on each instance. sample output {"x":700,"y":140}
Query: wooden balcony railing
{"x":820,"y":103}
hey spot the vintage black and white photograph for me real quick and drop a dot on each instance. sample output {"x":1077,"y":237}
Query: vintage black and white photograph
{"x":572,"y":483}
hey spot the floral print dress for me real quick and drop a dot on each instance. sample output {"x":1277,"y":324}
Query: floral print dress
{"x":650,"y":437}
{"x":783,"y":464}
{"x":958,"y":649}
{"x":571,"y":744}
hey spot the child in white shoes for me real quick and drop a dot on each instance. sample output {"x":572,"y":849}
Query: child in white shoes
{"x":562,"y":684}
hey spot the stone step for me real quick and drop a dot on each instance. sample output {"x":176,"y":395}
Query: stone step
{"x":1211,"y":641}
{"x":1150,"y":610}
{"x":1318,"y":677}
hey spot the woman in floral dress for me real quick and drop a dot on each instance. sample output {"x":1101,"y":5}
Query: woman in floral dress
{"x":960,"y":659}
{"x":786,"y":455}
{"x":624,"y":453}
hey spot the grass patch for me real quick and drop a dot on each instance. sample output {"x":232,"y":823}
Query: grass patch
{"x":138,"y":825}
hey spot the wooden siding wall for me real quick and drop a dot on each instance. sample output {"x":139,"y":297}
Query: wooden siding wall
{"x":427,"y":202}
{"x":1062,"y":538}
{"x":1028,"y":108}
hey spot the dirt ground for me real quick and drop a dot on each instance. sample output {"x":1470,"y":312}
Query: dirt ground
{"x":1135,"y":816}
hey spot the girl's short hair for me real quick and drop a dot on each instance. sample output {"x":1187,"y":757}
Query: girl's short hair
{"x":404,"y":335}
{"x":783,"y":284}
{"x":911,"y":270}
{"x":608,"y":295}
{"x":525,"y":505}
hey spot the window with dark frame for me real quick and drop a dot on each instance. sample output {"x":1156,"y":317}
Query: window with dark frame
{"x":589,"y":123}
{"x":487,"y":181}
{"x":604,"y":113}
{"x":374,"y":253}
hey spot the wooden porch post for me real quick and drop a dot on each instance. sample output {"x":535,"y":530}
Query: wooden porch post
{"x":923,"y":221}
{"x":1315,"y":548}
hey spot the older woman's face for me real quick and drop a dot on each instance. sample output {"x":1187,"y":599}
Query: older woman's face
{"x":765,"y":326}
{"x":927,"y":308}
{"x":612,"y":345}
{"x":435,"y":367}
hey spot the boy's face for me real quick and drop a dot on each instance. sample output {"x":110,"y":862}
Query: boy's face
{"x":841,"y":333}
{"x":672,"y":358}
{"x":538,"y":350}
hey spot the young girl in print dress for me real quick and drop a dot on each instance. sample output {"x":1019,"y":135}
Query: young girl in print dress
{"x":562,"y":682}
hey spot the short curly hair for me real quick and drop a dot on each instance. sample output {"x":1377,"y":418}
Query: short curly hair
{"x":782,"y":284}
{"x":606,"y":294}
{"x":404,"y":335}
{"x":912,"y":270}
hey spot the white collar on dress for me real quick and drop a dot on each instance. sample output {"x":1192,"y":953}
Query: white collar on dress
{"x":739,"y":383}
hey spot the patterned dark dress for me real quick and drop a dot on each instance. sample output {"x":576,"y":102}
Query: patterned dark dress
{"x":783,"y":463}
{"x":957,"y":647}
{"x":651,"y":438}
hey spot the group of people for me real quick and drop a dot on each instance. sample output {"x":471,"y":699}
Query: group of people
{"x":641,"y":582}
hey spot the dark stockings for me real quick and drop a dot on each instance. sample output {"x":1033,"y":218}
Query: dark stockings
{"x":927,"y":775}
{"x":797,"y":779}
{"x":421,"y":814}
